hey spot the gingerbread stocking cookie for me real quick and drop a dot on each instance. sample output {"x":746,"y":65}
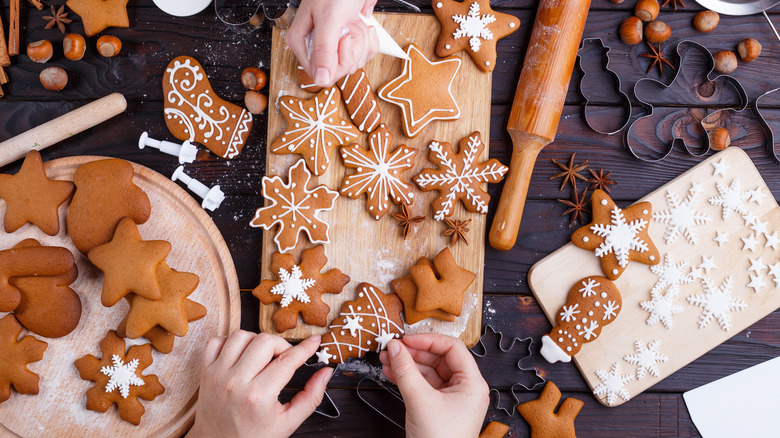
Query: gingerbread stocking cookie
{"x":14,"y":357}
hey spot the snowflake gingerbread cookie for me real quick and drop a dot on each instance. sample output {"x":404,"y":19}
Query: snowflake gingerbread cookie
{"x":314,"y":128}
{"x":365,"y":324}
{"x":460,"y":176}
{"x":378,"y":172}
{"x":295,"y":208}
{"x":617,"y":236}
{"x":300,"y":288}
{"x":15,"y":355}
{"x":472,"y":26}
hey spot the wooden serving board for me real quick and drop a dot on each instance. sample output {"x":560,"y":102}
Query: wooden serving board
{"x":685,"y":341}
{"x":374,"y":251}
{"x":60,"y":407}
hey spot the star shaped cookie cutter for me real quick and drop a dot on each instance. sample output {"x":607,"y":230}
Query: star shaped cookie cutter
{"x":625,"y":102}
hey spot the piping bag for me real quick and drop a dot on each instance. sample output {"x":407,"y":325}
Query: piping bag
{"x":387,"y":44}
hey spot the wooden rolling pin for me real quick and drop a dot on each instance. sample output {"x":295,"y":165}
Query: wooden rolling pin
{"x":536,"y":110}
{"x":64,"y":126}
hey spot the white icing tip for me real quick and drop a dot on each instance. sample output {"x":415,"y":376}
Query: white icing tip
{"x":615,"y":272}
{"x":603,"y":202}
{"x":552,"y":352}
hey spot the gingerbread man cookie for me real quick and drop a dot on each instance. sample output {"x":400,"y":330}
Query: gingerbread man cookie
{"x":193,"y":112}
{"x":105,"y":194}
{"x":100,"y":14}
{"x":295,"y":208}
{"x":32,"y":197}
{"x":378,"y":172}
{"x":473,"y":26}
{"x":617,"y":236}
{"x":161,"y":339}
{"x":300,"y":288}
{"x":544,"y":421}
{"x":407,"y":290}
{"x":14,"y":357}
{"x":119,"y":378}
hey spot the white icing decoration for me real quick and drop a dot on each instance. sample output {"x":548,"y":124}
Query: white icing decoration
{"x":372,"y":112}
{"x":772,"y":240}
{"x":759,"y":227}
{"x":568,"y":313}
{"x":383,"y":339}
{"x":756,"y":282}
{"x":731,"y":199}
{"x":613,"y":384}
{"x":720,"y":168}
{"x":352,"y":323}
{"x":717,"y":303}
{"x":604,"y":202}
{"x":439,"y":5}
{"x":757,"y":265}
{"x":756,"y":195}
{"x":646,"y":358}
{"x":552,"y":352}
{"x":749,"y":243}
{"x":682,"y":216}
{"x":774,"y":271}
{"x":512,"y":24}
{"x":707,"y":263}
{"x":588,"y":287}
{"x":610,"y":309}
{"x":473,"y":26}
{"x":323,"y":356}
{"x":671,"y":275}
{"x":661,"y":307}
{"x":720,"y":238}
{"x":292,"y":286}
{"x":122,"y":375}
{"x":589,"y":331}
{"x":749,"y":218}
{"x":620,"y":237}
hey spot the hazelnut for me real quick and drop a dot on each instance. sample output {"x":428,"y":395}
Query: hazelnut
{"x":749,"y":49}
{"x":719,"y":138}
{"x":74,"y":46}
{"x":109,"y":45}
{"x":706,"y":21}
{"x":631,"y":31}
{"x":253,"y":78}
{"x":255,"y":102}
{"x":40,"y":51}
{"x":725,"y":61}
{"x":617,"y":2}
{"x":657,"y":31}
{"x":54,"y":78}
{"x":646,"y":10}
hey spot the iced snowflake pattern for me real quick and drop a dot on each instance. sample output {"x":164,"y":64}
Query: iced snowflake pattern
{"x":588,"y":286}
{"x":671,"y":275}
{"x":122,"y":375}
{"x":292,"y":286}
{"x":620,"y":237}
{"x":610,"y":309}
{"x":731,"y":199}
{"x":682,"y":217}
{"x":613,"y":384}
{"x":661,"y":307}
{"x":474,"y":26}
{"x":589,"y":331}
{"x":717,"y":303}
{"x":569,"y":313}
{"x":646,"y":358}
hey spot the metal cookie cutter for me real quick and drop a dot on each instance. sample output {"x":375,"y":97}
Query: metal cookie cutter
{"x":770,"y":133}
{"x":587,"y":66}
{"x":685,"y":90}
{"x":387,"y":403}
{"x":229,"y":12}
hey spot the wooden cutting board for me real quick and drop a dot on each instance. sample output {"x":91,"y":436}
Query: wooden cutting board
{"x":685,"y":341}
{"x":373,"y":251}
{"x":59,"y":408}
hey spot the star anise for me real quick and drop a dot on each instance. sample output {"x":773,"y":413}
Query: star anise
{"x":406,"y":219}
{"x":570,"y":172}
{"x":456,"y":230}
{"x":601,"y":181}
{"x":674,"y":3}
{"x":578,"y":206}
{"x":57,"y":18}
{"x":658,"y":58}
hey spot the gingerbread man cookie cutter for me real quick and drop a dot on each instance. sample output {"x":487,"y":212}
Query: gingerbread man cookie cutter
{"x":588,"y":45}
{"x":770,"y":133}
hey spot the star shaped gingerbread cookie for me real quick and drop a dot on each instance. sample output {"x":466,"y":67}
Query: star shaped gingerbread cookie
{"x":100,"y":14}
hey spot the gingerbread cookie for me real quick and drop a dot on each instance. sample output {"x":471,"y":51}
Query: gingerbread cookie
{"x":32,"y":197}
{"x":544,"y":421}
{"x":441,"y":286}
{"x":378,"y":172}
{"x":314,"y":128}
{"x":100,"y":14}
{"x":460,"y":176}
{"x":617,"y":236}
{"x":119,"y":378}
{"x":405,"y":288}
{"x":423,"y":91}
{"x":295,"y":208}
{"x":48,"y":306}
{"x":592,"y":303}
{"x":29,"y":261}
{"x":14,"y":357}
{"x":105,"y":193}
{"x":129,"y":264}
{"x":473,"y":26}
{"x":365,"y":324}
{"x":494,"y":429}
{"x":194,"y":113}
{"x":161,"y":339}
{"x":305,"y":81}
{"x":300,"y":288}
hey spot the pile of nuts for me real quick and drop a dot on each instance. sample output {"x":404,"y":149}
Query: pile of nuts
{"x":73,"y":47}
{"x":254,"y":80}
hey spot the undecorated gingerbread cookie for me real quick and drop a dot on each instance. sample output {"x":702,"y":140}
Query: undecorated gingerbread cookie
{"x":544,"y":421}
{"x":14,"y":357}
{"x":406,"y":289}
{"x":161,"y":339}
{"x":98,"y":15}
{"x":30,"y":261}
{"x":441,"y":286}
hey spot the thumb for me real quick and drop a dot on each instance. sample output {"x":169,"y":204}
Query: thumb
{"x":324,"y":52}
{"x":408,"y":378}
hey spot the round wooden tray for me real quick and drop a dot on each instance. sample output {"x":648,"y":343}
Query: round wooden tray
{"x":59,"y":409}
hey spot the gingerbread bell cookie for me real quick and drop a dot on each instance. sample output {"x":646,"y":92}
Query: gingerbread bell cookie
{"x":15,"y":355}
{"x":98,"y":15}
{"x":300,"y":287}
{"x":314,"y":128}
{"x":423,"y":91}
{"x":105,"y":194}
{"x":460,"y":176}
{"x":473,"y":26}
{"x":365,"y":324}
{"x":378,"y":172}
{"x":617,"y":236}
{"x":295,"y":208}
{"x":119,"y":378}
{"x":193,"y":112}
{"x":30,"y":196}
{"x":544,"y":421}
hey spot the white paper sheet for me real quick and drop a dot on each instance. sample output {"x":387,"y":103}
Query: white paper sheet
{"x":745,"y":404}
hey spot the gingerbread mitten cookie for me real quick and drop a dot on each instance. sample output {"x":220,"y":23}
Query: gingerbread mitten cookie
{"x":119,"y":378}
{"x":14,"y":357}
{"x":300,"y":287}
{"x":29,"y":261}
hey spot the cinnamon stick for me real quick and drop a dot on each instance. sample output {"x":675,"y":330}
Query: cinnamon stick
{"x":13,"y":31}
{"x":3,"y":76}
{"x":38,"y":5}
{"x":5,"y":60}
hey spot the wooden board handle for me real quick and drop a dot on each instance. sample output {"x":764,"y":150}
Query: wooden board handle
{"x":64,"y":126}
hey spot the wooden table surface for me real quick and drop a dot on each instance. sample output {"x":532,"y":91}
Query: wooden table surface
{"x":155,"y":38}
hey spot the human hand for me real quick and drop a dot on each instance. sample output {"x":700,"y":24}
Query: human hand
{"x":444,"y":392}
{"x":333,"y":55}
{"x":241,"y":378}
